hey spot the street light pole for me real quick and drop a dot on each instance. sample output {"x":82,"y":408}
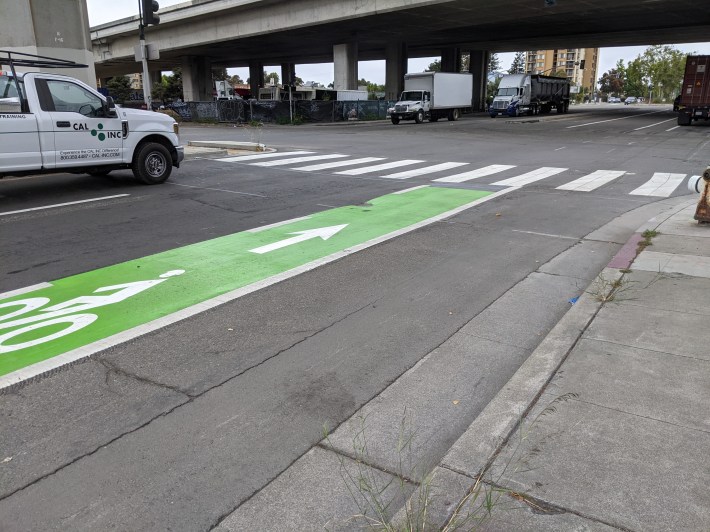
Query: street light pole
{"x":144,"y":60}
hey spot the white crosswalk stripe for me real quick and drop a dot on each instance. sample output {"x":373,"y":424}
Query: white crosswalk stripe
{"x":530,"y":177}
{"x":423,"y":171}
{"x":339,"y":164}
{"x":379,"y":167}
{"x":240,"y":158}
{"x":475,"y":174}
{"x":297,"y":160}
{"x":592,"y":181}
{"x":660,"y":185}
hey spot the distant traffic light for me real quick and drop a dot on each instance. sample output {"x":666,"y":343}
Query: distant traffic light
{"x":150,"y":12}
{"x":581,"y":64}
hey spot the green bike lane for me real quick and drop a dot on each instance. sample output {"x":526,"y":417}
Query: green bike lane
{"x":76,"y":316}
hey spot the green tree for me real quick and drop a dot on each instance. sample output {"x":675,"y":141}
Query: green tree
{"x":634,"y":84}
{"x":435,"y":66}
{"x":119,"y":88}
{"x":559,"y":73}
{"x":236,"y":80}
{"x":173,"y":86}
{"x":518,"y":64}
{"x":493,"y":63}
{"x":611,"y":82}
{"x":219,"y":74}
{"x":271,"y":75}
{"x":664,"y":68}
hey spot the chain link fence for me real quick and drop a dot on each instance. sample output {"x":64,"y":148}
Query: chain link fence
{"x":280,"y":112}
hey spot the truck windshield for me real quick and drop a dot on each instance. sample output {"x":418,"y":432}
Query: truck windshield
{"x":507,"y":91}
{"x":411,"y":95}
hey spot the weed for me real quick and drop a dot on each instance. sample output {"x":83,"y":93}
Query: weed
{"x":647,"y":235}
{"x":606,"y":290}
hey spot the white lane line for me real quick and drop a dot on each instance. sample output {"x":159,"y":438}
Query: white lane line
{"x":592,"y":181}
{"x":240,"y":158}
{"x":25,"y":290}
{"x":422,"y":171}
{"x":562,"y":148}
{"x":474,"y":174}
{"x":546,"y":234}
{"x":82,"y":352}
{"x":656,"y":124}
{"x":410,"y":189}
{"x":662,"y":185}
{"x":64,"y":204}
{"x":216,"y":189}
{"x":531,"y":177}
{"x":674,"y":127}
{"x":296,"y":160}
{"x":613,"y":119}
{"x":379,"y":167}
{"x":277,"y":224}
{"x":338,"y":164}
{"x":611,"y":150}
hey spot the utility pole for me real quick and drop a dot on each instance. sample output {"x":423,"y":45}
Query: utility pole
{"x":147,"y":15}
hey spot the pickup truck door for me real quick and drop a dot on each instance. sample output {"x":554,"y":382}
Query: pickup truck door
{"x":19,"y":139}
{"x":83,"y":136}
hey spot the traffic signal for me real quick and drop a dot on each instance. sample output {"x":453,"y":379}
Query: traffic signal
{"x":581,"y":64}
{"x":150,"y":12}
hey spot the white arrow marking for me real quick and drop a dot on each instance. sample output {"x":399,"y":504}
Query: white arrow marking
{"x":301,"y":236}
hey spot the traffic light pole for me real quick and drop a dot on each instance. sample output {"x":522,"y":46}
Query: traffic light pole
{"x":144,"y":59}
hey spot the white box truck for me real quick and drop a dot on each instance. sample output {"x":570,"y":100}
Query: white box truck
{"x":433,"y":95}
{"x":51,"y":123}
{"x":530,"y":94}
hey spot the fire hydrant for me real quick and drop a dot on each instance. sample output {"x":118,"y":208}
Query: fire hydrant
{"x":702,"y":213}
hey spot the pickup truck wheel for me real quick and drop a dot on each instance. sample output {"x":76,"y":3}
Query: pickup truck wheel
{"x":419,"y":117}
{"x":152,"y":164}
{"x":454,"y":115}
{"x":395,"y":120}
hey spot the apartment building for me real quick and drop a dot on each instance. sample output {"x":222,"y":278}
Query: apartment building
{"x":580,"y":64}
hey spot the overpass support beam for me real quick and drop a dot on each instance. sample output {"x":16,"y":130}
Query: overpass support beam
{"x":451,"y":60}
{"x":478,"y":66}
{"x":345,"y":66}
{"x":288,"y":73}
{"x":197,"y":79}
{"x":395,"y":69}
{"x":256,"y":78}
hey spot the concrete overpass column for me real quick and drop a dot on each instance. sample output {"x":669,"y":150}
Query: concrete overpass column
{"x":479,"y":68}
{"x":345,"y":66}
{"x":197,"y":79}
{"x":288,"y":73}
{"x":395,"y":69}
{"x":256,"y":78}
{"x":451,"y":60}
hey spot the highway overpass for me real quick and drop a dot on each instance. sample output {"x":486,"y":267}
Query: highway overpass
{"x":202,"y":34}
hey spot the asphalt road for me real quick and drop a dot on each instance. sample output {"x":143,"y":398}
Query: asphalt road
{"x":176,"y":428}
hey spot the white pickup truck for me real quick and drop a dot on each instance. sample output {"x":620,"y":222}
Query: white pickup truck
{"x":52,"y":123}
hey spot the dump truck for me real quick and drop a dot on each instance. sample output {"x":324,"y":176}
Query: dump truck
{"x":694,"y":101}
{"x":530,"y":94}
{"x":433,"y":95}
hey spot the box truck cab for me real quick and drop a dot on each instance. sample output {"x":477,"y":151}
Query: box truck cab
{"x":52,"y":123}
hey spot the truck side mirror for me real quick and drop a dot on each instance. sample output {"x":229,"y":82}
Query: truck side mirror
{"x":110,"y":108}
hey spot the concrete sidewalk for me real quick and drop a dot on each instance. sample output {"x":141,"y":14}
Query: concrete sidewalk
{"x":605,"y":426}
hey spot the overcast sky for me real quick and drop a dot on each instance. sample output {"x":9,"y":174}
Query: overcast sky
{"x":101,"y":11}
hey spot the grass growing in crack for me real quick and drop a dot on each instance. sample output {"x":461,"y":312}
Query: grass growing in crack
{"x":648,"y":235}
{"x":606,"y":290}
{"x":378,"y":496}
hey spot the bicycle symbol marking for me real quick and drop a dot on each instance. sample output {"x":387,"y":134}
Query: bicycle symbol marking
{"x":70,"y":312}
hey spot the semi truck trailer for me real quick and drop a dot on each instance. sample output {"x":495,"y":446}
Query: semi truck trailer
{"x":530,"y":94}
{"x":694,"y":102}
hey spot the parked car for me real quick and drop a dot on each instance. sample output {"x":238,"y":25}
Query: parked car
{"x":613,"y":99}
{"x":630,"y":99}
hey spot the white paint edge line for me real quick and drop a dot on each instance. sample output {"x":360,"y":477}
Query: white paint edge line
{"x":86,"y":351}
{"x":656,"y":124}
{"x":422,"y":171}
{"x":547,"y":235}
{"x":410,"y":189}
{"x":297,"y":160}
{"x":475,"y":174}
{"x":674,"y":127}
{"x":338,"y":164}
{"x":240,"y":158}
{"x":378,"y":167}
{"x":531,"y":177}
{"x":64,"y":204}
{"x":277,"y":224}
{"x":614,"y":119}
{"x":216,"y":189}
{"x":25,"y":290}
{"x":592,"y":181}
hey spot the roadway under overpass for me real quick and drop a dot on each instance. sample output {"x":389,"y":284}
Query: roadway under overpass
{"x":204,"y":34}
